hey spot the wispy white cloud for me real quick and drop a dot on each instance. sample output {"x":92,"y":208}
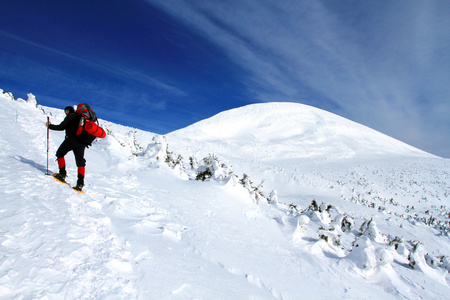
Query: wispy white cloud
{"x":384,"y":64}
{"x":112,"y":69}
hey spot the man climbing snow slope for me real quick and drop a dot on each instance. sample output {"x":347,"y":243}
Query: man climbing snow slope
{"x":72,"y":142}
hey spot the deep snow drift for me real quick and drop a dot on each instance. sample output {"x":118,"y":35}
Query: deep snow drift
{"x":342,"y":211}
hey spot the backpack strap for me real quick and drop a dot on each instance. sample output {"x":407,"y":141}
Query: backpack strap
{"x":81,"y":125}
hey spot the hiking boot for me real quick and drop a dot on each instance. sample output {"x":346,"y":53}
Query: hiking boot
{"x":80,"y":181}
{"x":60,"y":177}
{"x":78,"y":188}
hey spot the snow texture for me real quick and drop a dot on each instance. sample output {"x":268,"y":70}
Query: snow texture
{"x":267,"y":201}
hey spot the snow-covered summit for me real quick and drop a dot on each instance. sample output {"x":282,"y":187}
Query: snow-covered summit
{"x":297,"y":130}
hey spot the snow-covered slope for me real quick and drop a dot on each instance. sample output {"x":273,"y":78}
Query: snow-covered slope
{"x":344,"y":212}
{"x":293,"y":130}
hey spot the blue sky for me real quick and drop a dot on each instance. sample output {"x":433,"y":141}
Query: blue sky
{"x":163,"y":65}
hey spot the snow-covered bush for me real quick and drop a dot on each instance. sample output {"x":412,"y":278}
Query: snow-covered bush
{"x":313,"y":206}
{"x":430,"y":260}
{"x":32,"y":100}
{"x":173,"y":160}
{"x":363,"y":254}
{"x":273,"y":197}
{"x":347,"y":224}
{"x":445,"y":261}
{"x":210,"y":167}
{"x":320,"y":213}
{"x":121,"y":145}
{"x":370,"y":229}
{"x":399,"y":245}
{"x":203,"y":173}
{"x":330,"y":236}
{"x":255,"y":191}
{"x":416,"y":254}
{"x":193,"y":163}
{"x":157,"y":149}
{"x":7,"y":95}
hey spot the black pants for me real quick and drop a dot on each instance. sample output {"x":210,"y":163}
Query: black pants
{"x":70,"y":144}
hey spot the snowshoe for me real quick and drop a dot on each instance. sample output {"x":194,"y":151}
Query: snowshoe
{"x":59,"y":178}
{"x":79,"y":188}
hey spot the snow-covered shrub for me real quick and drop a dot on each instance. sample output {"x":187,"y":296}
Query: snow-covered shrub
{"x":337,"y":222}
{"x":157,"y":149}
{"x":255,"y":191}
{"x":7,"y":95}
{"x":325,"y":208}
{"x":445,"y":261}
{"x":430,"y":260}
{"x":121,"y":145}
{"x":137,"y":148}
{"x":319,"y":213}
{"x":330,"y":236}
{"x":293,"y":207}
{"x":370,"y":228}
{"x":172,"y":160}
{"x":347,"y":223}
{"x":313,"y":206}
{"x":203,"y":173}
{"x":273,"y":197}
{"x":399,"y":245}
{"x":210,"y":167}
{"x":363,"y":254}
{"x":246,"y":182}
{"x":365,"y":226}
{"x":193,"y":163}
{"x":415,"y":254}
{"x":32,"y":100}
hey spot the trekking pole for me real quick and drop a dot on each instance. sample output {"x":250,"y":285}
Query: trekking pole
{"x":48,"y":120}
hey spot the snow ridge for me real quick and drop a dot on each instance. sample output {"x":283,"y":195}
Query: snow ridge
{"x":296,"y":130}
{"x":172,"y":217}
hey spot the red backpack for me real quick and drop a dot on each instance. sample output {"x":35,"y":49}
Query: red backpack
{"x":87,"y":121}
{"x":86,"y":111}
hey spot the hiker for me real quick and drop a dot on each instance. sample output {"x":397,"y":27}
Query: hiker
{"x":72,"y":142}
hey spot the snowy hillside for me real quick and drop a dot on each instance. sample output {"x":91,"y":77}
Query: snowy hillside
{"x":296,"y":130}
{"x":342,"y":211}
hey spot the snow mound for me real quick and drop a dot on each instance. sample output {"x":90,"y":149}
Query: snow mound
{"x":298,"y":131}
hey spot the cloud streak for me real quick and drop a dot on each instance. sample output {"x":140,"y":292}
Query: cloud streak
{"x":383,"y":64}
{"x":115,"y":70}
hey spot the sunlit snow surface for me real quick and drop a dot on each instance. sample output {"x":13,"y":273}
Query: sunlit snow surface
{"x":146,"y":229}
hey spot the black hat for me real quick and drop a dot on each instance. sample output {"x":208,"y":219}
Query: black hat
{"x":70,"y":109}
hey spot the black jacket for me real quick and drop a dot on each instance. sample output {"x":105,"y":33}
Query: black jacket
{"x":70,"y":124}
